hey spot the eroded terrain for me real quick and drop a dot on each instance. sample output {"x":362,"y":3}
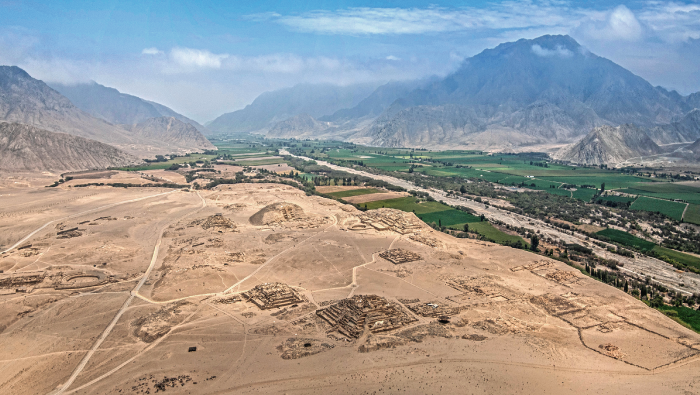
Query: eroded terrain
{"x":260,"y":288}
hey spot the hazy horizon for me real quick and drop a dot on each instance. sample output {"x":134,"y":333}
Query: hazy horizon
{"x":211,"y":58}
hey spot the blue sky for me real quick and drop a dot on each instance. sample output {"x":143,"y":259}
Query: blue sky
{"x":205,"y":58}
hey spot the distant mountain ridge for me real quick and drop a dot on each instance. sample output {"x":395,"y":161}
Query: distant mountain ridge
{"x":172,"y":132}
{"x":29,"y":101}
{"x":687,"y":129}
{"x":300,"y":126}
{"x":316,"y":100}
{"x":374,"y":104}
{"x":26,"y":100}
{"x":528,"y":94}
{"x":541,"y":91}
{"x":610,"y":145}
{"x":115,"y":107}
{"x":27,"y":148}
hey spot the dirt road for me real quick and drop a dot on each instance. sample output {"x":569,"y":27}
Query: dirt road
{"x":641,"y":265}
{"x":121,"y":311}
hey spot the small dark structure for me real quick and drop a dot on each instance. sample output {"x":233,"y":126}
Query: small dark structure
{"x":444,"y":319}
{"x":192,"y":349}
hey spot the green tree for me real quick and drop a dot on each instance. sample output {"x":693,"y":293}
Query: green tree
{"x":462,"y":189}
{"x":627,"y":287}
{"x":657,"y":301}
{"x":534,"y":242}
{"x":466,"y":227}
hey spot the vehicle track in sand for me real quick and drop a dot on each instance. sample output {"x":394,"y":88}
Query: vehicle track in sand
{"x":27,"y":237}
{"x":126,"y":304}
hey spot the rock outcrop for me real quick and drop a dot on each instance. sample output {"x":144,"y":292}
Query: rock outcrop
{"x":27,"y":148}
{"x":609,"y":145}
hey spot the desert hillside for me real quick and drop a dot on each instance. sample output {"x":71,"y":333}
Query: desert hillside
{"x":27,"y":148}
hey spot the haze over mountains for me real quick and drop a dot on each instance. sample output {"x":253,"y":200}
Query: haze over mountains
{"x":687,"y":129}
{"x":115,"y":107}
{"x":538,"y":94}
{"x":173,"y":133}
{"x":272,"y":107}
{"x":29,"y":101}
{"x":530,"y":94}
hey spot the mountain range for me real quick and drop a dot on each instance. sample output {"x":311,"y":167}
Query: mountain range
{"x":115,"y":107}
{"x":540,"y":94}
{"x":534,"y":94}
{"x":28,"y":101}
{"x":269,"y":108}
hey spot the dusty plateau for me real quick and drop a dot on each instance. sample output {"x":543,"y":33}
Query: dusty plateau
{"x":258,"y":288}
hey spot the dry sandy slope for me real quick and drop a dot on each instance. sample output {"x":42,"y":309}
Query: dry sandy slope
{"x":519,"y":322}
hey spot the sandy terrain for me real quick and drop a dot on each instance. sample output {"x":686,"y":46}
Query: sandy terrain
{"x":373,"y":197}
{"x":280,"y":168}
{"x":284,"y":293}
{"x":166,"y":175}
{"x":228,"y":170}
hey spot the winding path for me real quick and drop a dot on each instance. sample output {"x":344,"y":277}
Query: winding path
{"x":78,"y":369}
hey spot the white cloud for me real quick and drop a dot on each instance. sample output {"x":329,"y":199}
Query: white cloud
{"x":559,"y":51}
{"x":151,"y":51}
{"x":624,"y":24}
{"x":366,"y":21}
{"x":198,"y":58}
{"x":671,"y":21}
{"x":618,"y":24}
{"x":649,"y":39}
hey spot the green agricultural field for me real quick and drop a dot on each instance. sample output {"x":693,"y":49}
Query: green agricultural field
{"x":449,"y":217}
{"x":667,"y":187}
{"x":687,"y":315}
{"x":437,"y":212}
{"x":684,"y":259}
{"x":667,"y":190}
{"x":671,"y":209}
{"x":353,"y":192}
{"x":692,"y":214}
{"x":490,"y":232}
{"x":584,"y":194}
{"x":260,"y":162}
{"x":627,"y":239}
{"x":612,"y":180}
{"x":409,"y":204}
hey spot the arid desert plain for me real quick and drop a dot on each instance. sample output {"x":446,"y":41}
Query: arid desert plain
{"x":258,"y":288}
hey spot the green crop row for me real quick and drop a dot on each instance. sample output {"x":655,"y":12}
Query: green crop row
{"x":353,"y":192}
{"x":671,"y":209}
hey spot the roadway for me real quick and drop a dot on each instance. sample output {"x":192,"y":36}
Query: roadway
{"x":640,"y":266}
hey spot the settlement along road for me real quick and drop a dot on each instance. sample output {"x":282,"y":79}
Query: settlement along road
{"x":641,"y":266}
